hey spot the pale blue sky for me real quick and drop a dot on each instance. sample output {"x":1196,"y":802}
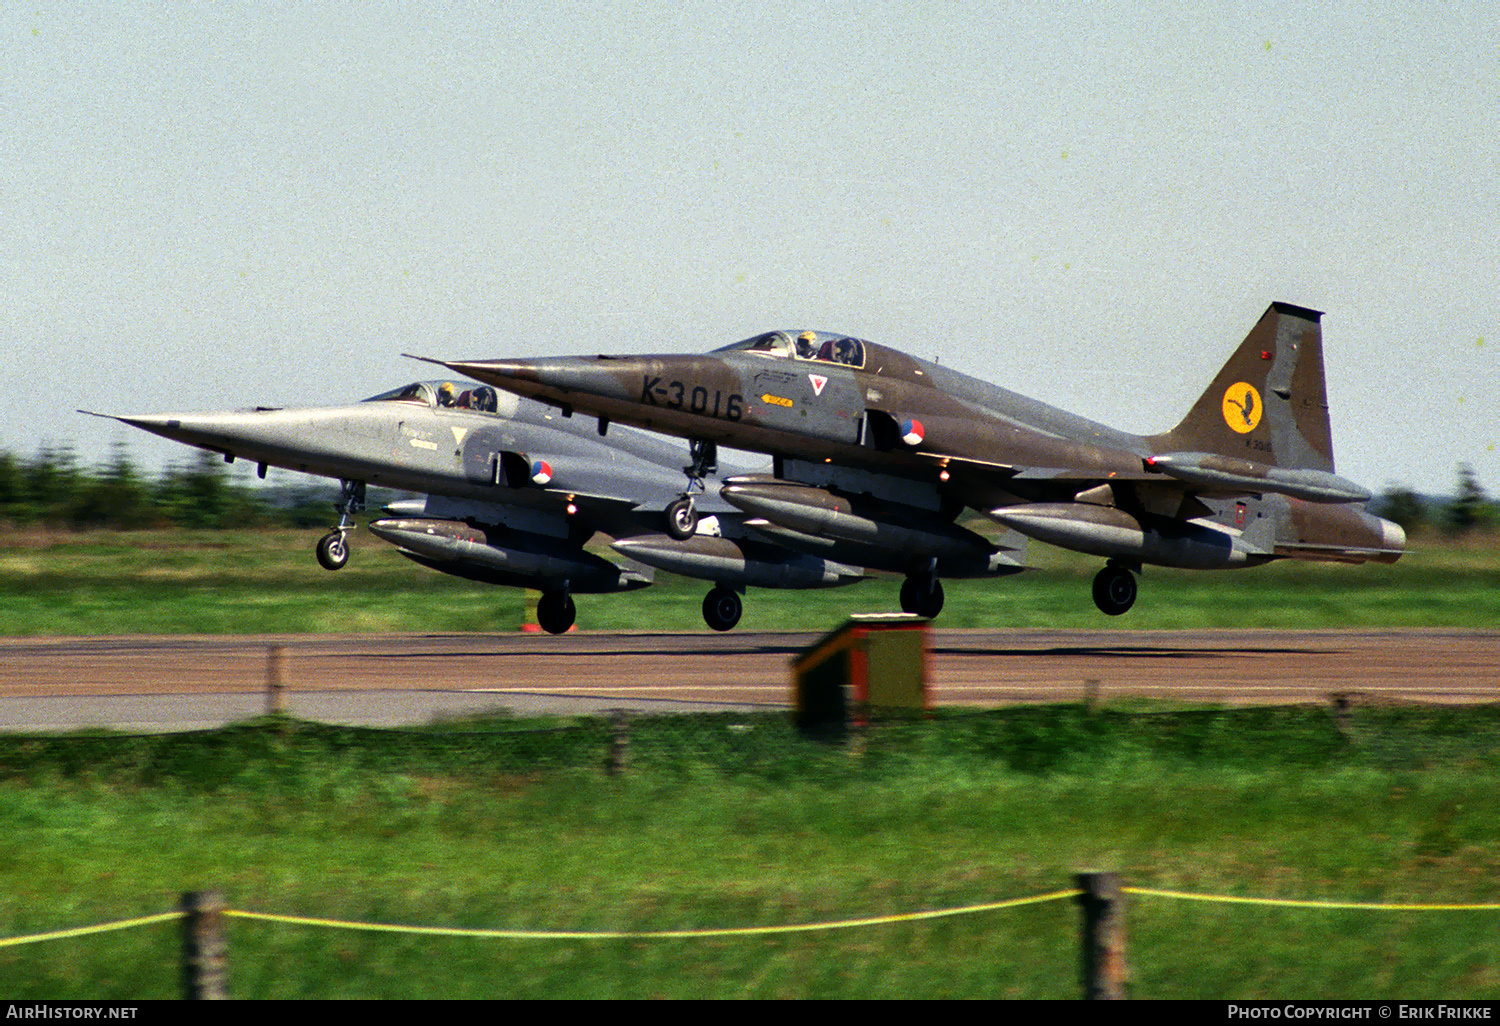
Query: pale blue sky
{"x":210,"y":206}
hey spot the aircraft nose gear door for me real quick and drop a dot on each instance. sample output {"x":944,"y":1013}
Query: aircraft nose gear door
{"x":682,"y":514}
{"x":333,"y":547}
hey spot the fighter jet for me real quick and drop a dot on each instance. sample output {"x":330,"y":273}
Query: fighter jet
{"x":513,"y":490}
{"x":876,"y":454}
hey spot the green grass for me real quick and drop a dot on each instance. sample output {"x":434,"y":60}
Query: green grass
{"x":730,"y":820}
{"x":267,"y":582}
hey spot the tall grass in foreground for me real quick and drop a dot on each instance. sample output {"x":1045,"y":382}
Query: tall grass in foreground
{"x":732,"y":820}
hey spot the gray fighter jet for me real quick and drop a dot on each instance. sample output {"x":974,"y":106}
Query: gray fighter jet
{"x":514,"y":492}
{"x":876,"y":453}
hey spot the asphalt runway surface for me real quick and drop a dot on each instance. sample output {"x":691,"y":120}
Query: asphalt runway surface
{"x":175,"y":683}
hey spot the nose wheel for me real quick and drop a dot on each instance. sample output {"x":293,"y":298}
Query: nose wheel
{"x":333,"y":548}
{"x":682,"y":514}
{"x":682,"y":518}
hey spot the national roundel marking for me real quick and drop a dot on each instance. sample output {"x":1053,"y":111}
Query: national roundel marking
{"x":1242,"y":407}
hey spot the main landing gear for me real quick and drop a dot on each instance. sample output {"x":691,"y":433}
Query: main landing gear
{"x":1114,"y":589}
{"x":555,"y":611}
{"x":333,"y":547}
{"x":682,"y":513}
{"x":722,"y":608}
{"x":922,"y":594}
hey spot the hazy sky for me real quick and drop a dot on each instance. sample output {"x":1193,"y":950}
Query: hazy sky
{"x":208,"y":206}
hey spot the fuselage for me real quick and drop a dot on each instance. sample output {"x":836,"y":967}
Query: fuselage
{"x":762,"y":394}
{"x":494,"y":447}
{"x":823,"y":398}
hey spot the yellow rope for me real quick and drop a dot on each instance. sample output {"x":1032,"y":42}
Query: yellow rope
{"x":743,"y":931}
{"x":736,"y":931}
{"x":80,"y":931}
{"x":1302,"y":903}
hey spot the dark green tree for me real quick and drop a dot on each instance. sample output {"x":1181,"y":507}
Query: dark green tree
{"x":115,"y":496}
{"x":12,"y":487}
{"x":196,"y":495}
{"x":52,"y":483}
{"x":1405,"y":507}
{"x":1469,"y":508}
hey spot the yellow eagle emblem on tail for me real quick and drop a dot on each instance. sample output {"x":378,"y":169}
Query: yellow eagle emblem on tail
{"x":1242,"y":407}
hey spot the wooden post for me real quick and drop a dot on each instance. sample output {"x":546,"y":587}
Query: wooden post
{"x":205,"y":973}
{"x":1103,"y":955}
{"x":275,"y":682}
{"x":619,"y":743}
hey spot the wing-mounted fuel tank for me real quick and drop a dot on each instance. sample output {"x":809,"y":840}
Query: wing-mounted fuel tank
{"x":863,"y":531}
{"x":506,"y":556}
{"x":1137,"y":537}
{"x":737,"y":563}
{"x":1231,"y":475}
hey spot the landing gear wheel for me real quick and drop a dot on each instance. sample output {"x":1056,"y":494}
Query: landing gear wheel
{"x":1114,"y":590}
{"x":333,"y":551}
{"x":682,"y":518}
{"x":333,"y":547}
{"x":555,"y":612}
{"x":722,"y":609}
{"x":922,"y":596}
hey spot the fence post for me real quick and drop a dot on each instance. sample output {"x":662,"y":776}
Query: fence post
{"x":275,"y":684}
{"x":618,"y":756}
{"x":1103,"y":904}
{"x":205,"y":974}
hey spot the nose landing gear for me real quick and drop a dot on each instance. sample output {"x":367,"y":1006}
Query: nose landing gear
{"x":333,"y":547}
{"x":682,"y":513}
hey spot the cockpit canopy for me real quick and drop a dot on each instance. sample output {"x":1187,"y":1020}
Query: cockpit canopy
{"x":441,"y":393}
{"x":820,"y":346}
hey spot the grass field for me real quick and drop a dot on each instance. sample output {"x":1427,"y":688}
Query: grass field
{"x":257,"y":582}
{"x":733,"y":821}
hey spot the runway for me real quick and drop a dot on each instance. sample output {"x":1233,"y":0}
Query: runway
{"x":173,"y":683}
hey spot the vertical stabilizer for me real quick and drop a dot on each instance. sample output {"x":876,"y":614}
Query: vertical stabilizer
{"x":1269,"y":402}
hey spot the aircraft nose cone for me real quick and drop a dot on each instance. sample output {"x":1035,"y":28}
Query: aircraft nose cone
{"x":194,"y":429}
{"x":150,"y":423}
{"x":495,"y":371}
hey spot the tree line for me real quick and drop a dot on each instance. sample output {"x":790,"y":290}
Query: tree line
{"x":51,"y":489}
{"x":1466,"y":511}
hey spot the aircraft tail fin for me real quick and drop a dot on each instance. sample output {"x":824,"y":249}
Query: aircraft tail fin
{"x":1269,"y":402}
